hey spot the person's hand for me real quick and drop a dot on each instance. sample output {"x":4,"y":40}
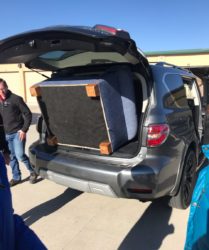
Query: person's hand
{"x":6,"y":158}
{"x":22,"y":135}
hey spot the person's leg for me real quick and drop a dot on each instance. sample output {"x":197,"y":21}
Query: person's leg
{"x":16,"y":174}
{"x":19,"y":148}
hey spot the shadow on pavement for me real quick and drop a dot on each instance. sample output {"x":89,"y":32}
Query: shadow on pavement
{"x":150,"y":230}
{"x":50,"y":206}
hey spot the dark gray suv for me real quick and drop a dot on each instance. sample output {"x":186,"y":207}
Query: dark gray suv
{"x":112,"y":123}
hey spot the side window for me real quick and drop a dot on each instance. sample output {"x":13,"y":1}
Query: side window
{"x":176,"y":97}
{"x":193,"y":92}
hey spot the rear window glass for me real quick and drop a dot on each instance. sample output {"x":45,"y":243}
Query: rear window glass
{"x":62,"y":59}
{"x":59,"y":55}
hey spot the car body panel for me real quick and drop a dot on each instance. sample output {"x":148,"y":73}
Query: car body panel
{"x":149,"y":173}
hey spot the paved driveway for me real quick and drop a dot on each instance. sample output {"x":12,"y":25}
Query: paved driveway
{"x":67,"y":219}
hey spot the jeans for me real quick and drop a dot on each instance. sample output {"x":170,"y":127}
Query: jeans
{"x":17,"y":153}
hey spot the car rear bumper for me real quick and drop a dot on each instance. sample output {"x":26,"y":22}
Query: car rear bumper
{"x":111,"y":179}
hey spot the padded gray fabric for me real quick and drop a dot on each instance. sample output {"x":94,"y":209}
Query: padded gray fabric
{"x":118,"y":97}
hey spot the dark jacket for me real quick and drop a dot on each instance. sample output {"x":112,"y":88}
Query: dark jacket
{"x":3,"y":142}
{"x":15,"y":114}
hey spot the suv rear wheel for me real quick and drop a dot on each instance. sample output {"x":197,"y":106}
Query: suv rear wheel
{"x":188,"y":179}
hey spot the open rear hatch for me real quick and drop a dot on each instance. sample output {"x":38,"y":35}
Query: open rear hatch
{"x":95,"y":111}
{"x":31,"y":47}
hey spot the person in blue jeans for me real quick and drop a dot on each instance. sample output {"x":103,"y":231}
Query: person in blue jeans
{"x":16,"y":118}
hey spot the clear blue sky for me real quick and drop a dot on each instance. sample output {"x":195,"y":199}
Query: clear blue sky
{"x":155,"y":25}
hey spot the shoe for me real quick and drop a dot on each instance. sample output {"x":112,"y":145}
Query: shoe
{"x":14,"y":182}
{"x":33,"y":178}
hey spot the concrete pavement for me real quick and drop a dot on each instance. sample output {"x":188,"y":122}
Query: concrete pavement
{"x":66,"y":219}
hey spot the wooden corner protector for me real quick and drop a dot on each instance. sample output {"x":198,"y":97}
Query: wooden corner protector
{"x":52,"y":141}
{"x":35,"y":90}
{"x":92,"y":90}
{"x":105,"y":148}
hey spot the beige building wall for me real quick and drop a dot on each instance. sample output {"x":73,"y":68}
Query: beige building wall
{"x":10,"y":73}
{"x":20,"y":79}
{"x":31,"y":78}
{"x":193,"y":60}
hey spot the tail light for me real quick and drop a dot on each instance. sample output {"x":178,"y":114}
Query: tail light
{"x":118,"y":32}
{"x":157,"y":134}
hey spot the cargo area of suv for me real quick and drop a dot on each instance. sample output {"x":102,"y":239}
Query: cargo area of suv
{"x":111,"y":123}
{"x":115,"y":120}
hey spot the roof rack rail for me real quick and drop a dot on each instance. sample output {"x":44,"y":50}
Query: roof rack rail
{"x":171,"y":65}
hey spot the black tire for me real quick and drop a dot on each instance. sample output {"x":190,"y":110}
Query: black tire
{"x":183,"y":197}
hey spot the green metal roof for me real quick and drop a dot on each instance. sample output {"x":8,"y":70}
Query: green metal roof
{"x":177,"y":52}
